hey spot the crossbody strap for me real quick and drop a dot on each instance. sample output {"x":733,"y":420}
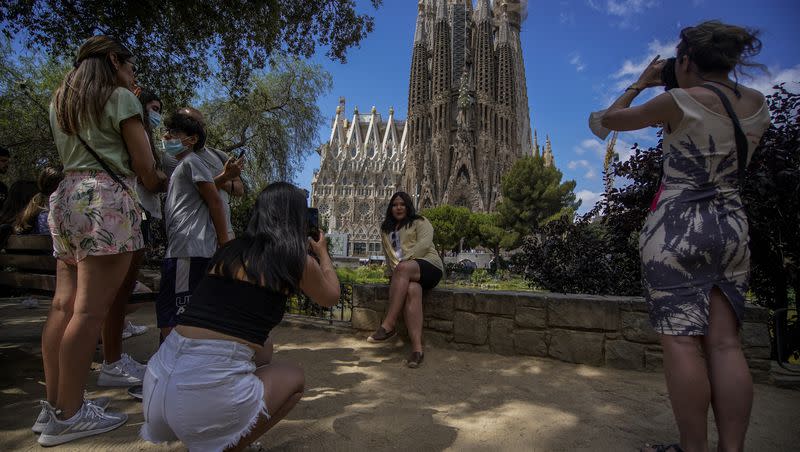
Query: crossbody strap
{"x":111,"y":173}
{"x":738,"y":133}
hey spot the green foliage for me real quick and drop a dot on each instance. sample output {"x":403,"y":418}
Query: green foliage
{"x":489,"y":234}
{"x":450,"y":225}
{"x":180,"y":45}
{"x":26,"y":84}
{"x":275,"y":122}
{"x":533,"y":195}
{"x":366,"y":274}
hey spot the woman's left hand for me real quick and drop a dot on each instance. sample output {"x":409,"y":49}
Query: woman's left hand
{"x":651,"y":76}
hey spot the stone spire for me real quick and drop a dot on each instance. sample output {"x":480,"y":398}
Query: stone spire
{"x":503,"y":33}
{"x":549,"y":160}
{"x":419,"y":34}
{"x":535,"y":144}
{"x":441,"y":10}
{"x":484,"y":11}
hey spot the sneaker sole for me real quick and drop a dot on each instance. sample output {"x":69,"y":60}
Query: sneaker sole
{"x":55,"y":440}
{"x":117,"y":382}
{"x":38,"y":427}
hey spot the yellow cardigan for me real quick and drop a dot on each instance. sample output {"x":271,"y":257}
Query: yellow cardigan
{"x":416,"y":241}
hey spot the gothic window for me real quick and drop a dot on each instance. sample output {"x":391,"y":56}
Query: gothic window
{"x":324,"y":209}
{"x":343,"y":208}
{"x":353,"y":151}
{"x":359,"y":249}
{"x":385,"y":181}
{"x":363,"y":210}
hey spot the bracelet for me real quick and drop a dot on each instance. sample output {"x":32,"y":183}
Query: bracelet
{"x":634,"y":88}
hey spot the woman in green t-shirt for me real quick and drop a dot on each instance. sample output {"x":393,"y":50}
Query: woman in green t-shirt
{"x":95,"y":224}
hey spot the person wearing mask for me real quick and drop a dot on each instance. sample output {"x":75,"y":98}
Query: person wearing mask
{"x":415,"y":266}
{"x":194,"y":218}
{"x":95,"y":225}
{"x":226,"y":170}
{"x":213,"y":384}
{"x":694,"y":243}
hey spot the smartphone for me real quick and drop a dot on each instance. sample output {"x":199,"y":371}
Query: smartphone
{"x":668,"y":75}
{"x":313,"y":223}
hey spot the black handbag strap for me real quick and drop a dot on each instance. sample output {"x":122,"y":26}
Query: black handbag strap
{"x":738,"y":133}
{"x":104,"y":165}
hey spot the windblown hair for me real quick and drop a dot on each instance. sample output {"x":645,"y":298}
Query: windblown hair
{"x":19,"y":195}
{"x":86,"y":88}
{"x":389,"y":223}
{"x":183,"y":122}
{"x":717,"y":47}
{"x":145,"y":97}
{"x":48,"y":182}
{"x":272,"y":251}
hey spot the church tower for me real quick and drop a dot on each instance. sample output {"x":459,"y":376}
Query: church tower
{"x":468,"y":117}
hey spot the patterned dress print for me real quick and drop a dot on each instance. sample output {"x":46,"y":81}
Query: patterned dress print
{"x":696,"y":236}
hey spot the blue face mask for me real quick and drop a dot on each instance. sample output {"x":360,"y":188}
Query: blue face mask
{"x":154,"y":118}
{"x":173,"y":147}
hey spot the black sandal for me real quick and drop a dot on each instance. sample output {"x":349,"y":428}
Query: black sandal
{"x":381,"y":335}
{"x":415,"y":359}
{"x":662,"y":448}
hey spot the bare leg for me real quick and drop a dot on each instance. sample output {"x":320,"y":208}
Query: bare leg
{"x":115,"y":319}
{"x":689,"y":389}
{"x":403,"y":274}
{"x":283,"y":388}
{"x":57,"y":320}
{"x":731,"y":383}
{"x":413,"y":316}
{"x":99,"y":279}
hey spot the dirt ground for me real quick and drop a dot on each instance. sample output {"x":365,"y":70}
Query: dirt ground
{"x":359,"y":396}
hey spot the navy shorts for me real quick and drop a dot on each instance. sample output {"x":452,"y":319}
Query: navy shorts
{"x":179,"y":277}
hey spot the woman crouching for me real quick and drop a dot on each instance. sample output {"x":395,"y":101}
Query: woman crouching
{"x":211,"y":385}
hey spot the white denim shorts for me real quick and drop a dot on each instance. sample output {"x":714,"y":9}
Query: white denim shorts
{"x":202,"y":392}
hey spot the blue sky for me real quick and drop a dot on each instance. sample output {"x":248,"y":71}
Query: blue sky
{"x":578,"y":55}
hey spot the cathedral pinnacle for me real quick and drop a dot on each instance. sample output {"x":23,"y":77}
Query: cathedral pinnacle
{"x":483,"y":10}
{"x":374,"y":110}
{"x":441,"y":10}
{"x":419,"y":33}
{"x":503,"y":33}
{"x":391,"y":111}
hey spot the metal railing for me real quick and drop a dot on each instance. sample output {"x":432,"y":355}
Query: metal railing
{"x":341,"y":311}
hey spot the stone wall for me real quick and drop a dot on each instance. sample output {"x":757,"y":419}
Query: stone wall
{"x":586,"y":329}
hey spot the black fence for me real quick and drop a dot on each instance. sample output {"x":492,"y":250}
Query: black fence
{"x":341,"y":311}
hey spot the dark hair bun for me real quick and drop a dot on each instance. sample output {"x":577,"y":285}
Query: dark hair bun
{"x":717,"y":47}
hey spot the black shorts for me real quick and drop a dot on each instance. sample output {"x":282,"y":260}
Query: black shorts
{"x":179,"y":277}
{"x":429,"y":275}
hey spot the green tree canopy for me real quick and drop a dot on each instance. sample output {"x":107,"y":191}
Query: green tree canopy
{"x":26,"y":84}
{"x":274,"y":123}
{"x":450,"y":225}
{"x":489,"y":233}
{"x":182,"y":44}
{"x":533,"y":195}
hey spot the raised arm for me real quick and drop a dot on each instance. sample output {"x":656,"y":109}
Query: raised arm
{"x":319,"y":280}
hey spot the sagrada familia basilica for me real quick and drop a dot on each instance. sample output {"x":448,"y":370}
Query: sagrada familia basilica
{"x":468,"y":122}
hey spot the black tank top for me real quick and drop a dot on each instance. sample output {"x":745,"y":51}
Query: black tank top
{"x":237,"y":308}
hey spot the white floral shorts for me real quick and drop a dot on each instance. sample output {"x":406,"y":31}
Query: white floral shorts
{"x":92,"y":215}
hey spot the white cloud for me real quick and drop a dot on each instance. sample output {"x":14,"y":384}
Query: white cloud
{"x":623,"y":9}
{"x":597,"y":147}
{"x":765,"y":82}
{"x":591,"y":171}
{"x":575,"y":60}
{"x":630,"y":70}
{"x":588,"y":199}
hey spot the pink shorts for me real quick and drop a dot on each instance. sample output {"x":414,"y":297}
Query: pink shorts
{"x":92,"y":215}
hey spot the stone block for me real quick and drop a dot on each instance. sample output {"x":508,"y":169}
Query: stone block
{"x":470,"y":328}
{"x":577,"y":347}
{"x":653,"y":360}
{"x":755,"y":335}
{"x":363,"y":295}
{"x":753,"y":313}
{"x":757,"y":352}
{"x":381,"y":291}
{"x":437,"y":339}
{"x":444,"y":326}
{"x":625,"y":355}
{"x":438,"y":304}
{"x":593,"y":313}
{"x":501,"y":335}
{"x":499,"y":304}
{"x":532,"y":300}
{"x":759,"y":364}
{"x":531,"y":317}
{"x":636,"y":328}
{"x":530,"y":342}
{"x":366,"y":319}
{"x":464,"y":301}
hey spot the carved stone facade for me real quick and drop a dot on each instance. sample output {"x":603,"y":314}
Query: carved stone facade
{"x":360,"y":168}
{"x":468,"y":117}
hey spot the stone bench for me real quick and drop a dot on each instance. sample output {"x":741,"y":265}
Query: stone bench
{"x":585,"y":329}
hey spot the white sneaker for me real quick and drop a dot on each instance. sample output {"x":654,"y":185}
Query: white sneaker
{"x":131,"y":330}
{"x":44,"y":415}
{"x":91,"y":420}
{"x":125,"y":372}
